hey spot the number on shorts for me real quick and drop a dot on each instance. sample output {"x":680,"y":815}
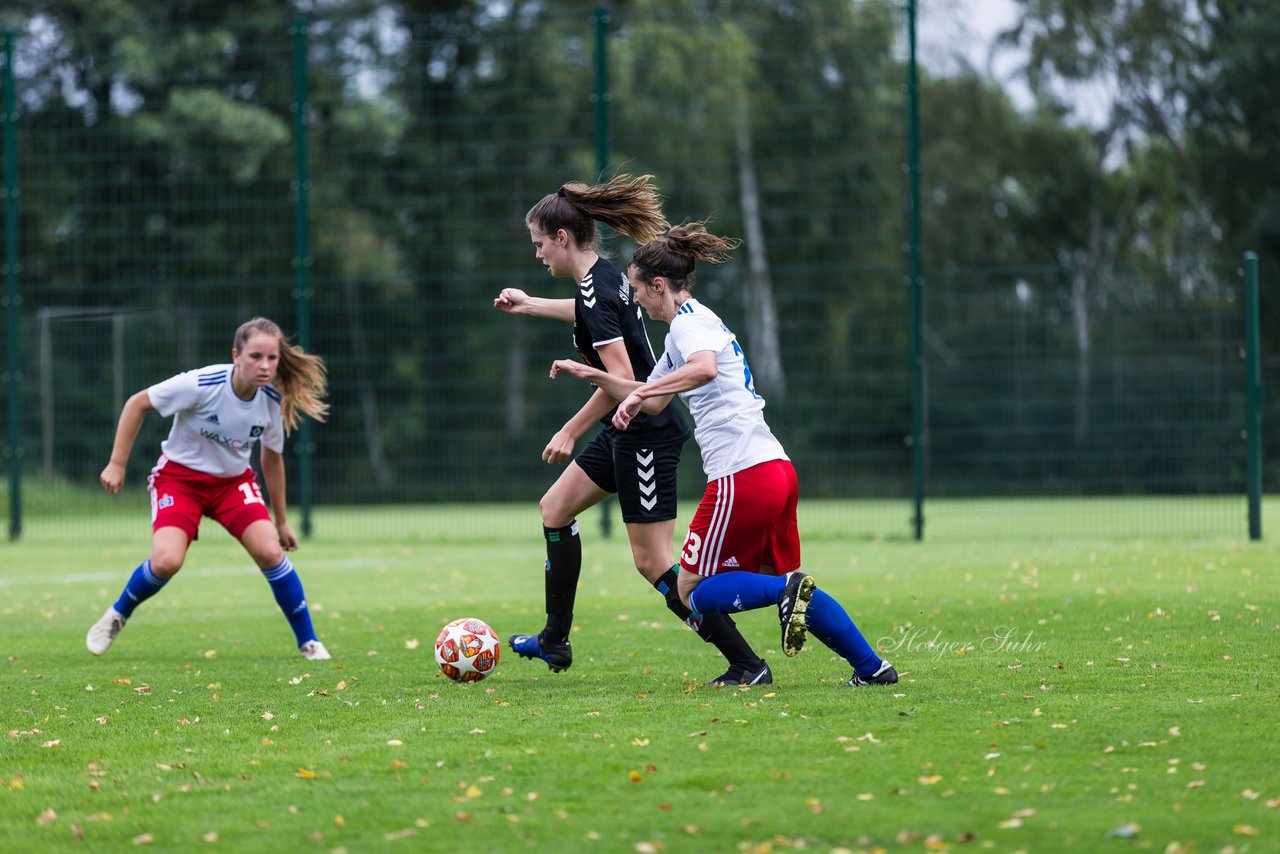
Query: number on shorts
{"x":252,"y":494}
{"x":692,"y":546}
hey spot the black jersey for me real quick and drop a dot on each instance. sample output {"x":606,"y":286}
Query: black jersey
{"x":603,"y":312}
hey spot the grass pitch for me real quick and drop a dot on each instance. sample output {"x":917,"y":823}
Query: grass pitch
{"x":1057,"y":694}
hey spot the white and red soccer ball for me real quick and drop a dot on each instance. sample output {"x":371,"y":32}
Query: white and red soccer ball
{"x":467,"y":650}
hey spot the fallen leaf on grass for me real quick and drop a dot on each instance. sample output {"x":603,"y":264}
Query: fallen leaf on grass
{"x":307,"y":774}
{"x":47,"y":816}
{"x":1244,"y":830}
{"x":1125,"y":831}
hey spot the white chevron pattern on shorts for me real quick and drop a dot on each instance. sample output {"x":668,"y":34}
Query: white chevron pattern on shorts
{"x":645,"y":474}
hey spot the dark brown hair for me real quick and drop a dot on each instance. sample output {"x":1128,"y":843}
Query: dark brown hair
{"x":627,"y":204}
{"x":301,"y":378}
{"x":674,"y":255}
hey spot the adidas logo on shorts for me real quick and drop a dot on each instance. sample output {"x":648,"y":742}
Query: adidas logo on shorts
{"x":730,"y":563}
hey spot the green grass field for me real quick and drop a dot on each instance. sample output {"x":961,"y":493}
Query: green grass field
{"x":1097,"y":694}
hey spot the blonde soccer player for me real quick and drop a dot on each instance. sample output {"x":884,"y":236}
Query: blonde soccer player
{"x":219,"y":413}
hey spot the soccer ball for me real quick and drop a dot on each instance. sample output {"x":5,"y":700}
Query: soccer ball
{"x":467,"y":650}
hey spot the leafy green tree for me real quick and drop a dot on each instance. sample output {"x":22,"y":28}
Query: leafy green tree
{"x":1193,"y":115}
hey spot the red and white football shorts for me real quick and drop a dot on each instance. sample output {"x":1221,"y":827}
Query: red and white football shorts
{"x":180,"y":496}
{"x":746,"y":521}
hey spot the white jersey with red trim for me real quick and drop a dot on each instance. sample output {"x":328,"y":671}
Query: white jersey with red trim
{"x":213,"y":429}
{"x":728,"y":414}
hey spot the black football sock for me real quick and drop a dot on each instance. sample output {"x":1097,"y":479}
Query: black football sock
{"x":716,"y":629}
{"x":564,"y":565}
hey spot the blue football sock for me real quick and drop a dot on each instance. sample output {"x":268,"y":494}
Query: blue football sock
{"x":140,"y":587}
{"x":736,"y":591}
{"x":287,"y":588}
{"x":831,"y":624}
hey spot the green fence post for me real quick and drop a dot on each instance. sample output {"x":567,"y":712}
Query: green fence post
{"x":600,"y":95}
{"x":12,"y":299}
{"x":916,"y":281}
{"x":1253,"y":394}
{"x":600,"y":20}
{"x":302,"y":257}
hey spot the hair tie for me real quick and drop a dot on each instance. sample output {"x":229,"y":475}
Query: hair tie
{"x":560,"y":192}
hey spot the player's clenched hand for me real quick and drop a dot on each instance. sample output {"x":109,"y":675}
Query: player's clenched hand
{"x":627,"y":410}
{"x":510,"y":299}
{"x":112,"y":478}
{"x":559,"y":449}
{"x":288,"y":540}
{"x":572,"y":368}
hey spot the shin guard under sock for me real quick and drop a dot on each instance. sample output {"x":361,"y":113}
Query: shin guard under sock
{"x":564,"y":565}
{"x":830,"y":623}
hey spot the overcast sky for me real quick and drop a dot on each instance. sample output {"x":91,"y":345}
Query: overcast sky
{"x":948,"y":30}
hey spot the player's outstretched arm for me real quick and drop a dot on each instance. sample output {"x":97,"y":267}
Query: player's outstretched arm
{"x":615,"y":386}
{"x":560,"y":448}
{"x":135,"y":409}
{"x":516,"y":301}
{"x":698,"y":370}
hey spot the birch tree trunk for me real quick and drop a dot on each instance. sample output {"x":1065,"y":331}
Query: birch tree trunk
{"x":368,"y":402}
{"x":762,"y":313}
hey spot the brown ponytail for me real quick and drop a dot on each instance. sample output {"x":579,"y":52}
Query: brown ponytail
{"x":629,"y":205}
{"x":674,"y":254}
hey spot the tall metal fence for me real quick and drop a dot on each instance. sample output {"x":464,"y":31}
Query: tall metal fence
{"x":363,"y":181}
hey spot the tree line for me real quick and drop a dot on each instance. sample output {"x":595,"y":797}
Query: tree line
{"x":159,"y":150}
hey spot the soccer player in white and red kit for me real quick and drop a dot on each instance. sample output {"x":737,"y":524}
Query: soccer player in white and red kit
{"x":219,"y":413}
{"x":742,"y":551}
{"x":639,"y":466}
